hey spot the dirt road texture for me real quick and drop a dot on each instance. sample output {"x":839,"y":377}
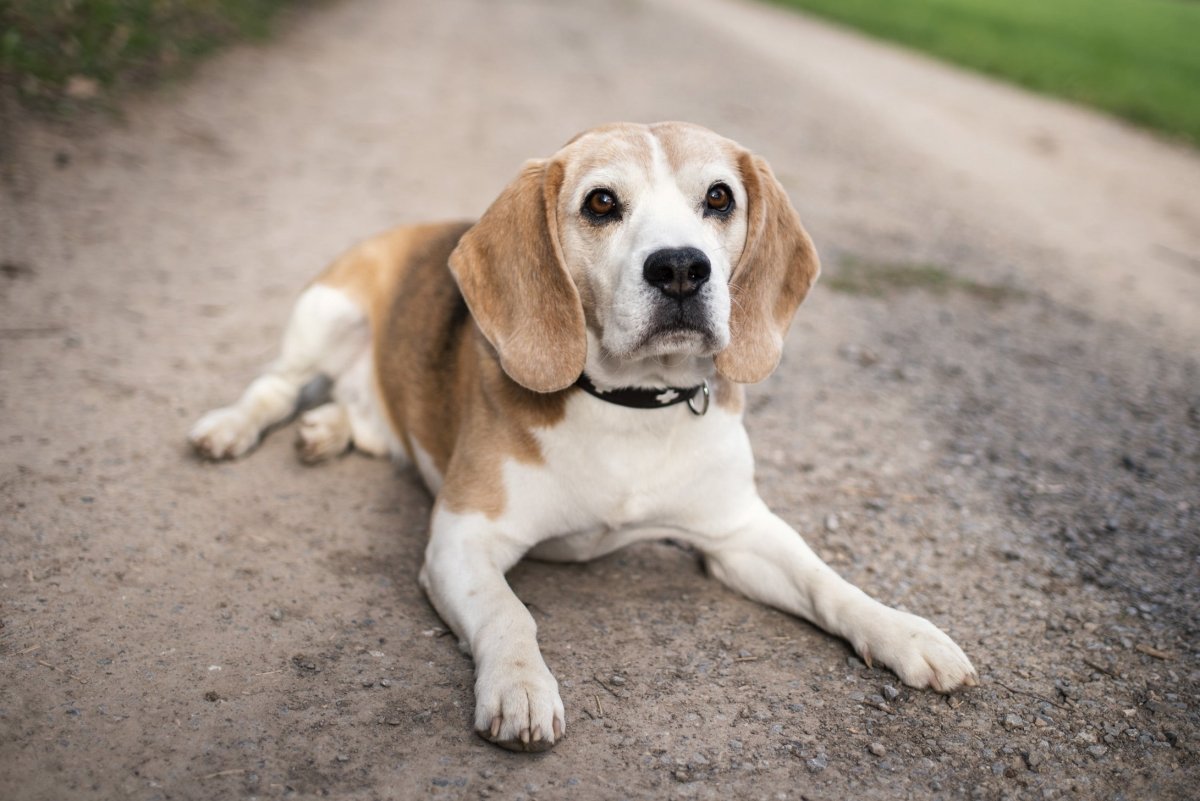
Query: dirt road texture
{"x":988,"y":414}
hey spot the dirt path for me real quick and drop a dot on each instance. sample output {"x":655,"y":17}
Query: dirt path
{"x":1013,"y":450}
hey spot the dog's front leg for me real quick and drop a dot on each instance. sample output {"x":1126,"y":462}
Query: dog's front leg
{"x":517,"y":705}
{"x":766,"y":559}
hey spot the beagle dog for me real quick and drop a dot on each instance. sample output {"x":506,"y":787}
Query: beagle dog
{"x":566,"y":374}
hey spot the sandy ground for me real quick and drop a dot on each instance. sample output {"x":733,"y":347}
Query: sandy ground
{"x":1016,"y":457}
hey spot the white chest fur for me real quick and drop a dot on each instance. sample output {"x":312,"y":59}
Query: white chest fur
{"x":612,"y":475}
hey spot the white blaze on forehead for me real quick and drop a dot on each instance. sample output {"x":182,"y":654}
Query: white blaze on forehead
{"x":666,"y":217}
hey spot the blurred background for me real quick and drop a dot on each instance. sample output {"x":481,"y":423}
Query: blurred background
{"x":988,"y":412}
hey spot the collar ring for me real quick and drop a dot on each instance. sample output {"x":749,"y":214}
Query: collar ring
{"x":700,"y":409}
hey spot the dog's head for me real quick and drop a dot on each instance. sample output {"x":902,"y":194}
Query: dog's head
{"x":661,"y":241}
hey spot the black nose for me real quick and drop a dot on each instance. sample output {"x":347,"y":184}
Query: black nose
{"x":679,"y":272}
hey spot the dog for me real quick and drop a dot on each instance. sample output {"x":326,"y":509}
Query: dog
{"x":566,"y":376}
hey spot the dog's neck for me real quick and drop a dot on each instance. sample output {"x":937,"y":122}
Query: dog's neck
{"x":607,"y":372}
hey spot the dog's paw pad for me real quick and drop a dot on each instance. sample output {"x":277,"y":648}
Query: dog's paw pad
{"x":324,"y":432}
{"x":223,"y":434}
{"x":519,"y":709}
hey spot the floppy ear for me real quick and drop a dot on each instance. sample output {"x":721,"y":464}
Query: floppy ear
{"x":510,"y":269}
{"x":778,"y":266}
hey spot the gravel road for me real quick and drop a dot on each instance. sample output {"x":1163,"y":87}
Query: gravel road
{"x":989,"y":414}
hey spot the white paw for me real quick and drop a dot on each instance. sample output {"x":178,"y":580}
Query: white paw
{"x":223,"y":434}
{"x":517,"y":706}
{"x":920,"y":653}
{"x":324,"y":432}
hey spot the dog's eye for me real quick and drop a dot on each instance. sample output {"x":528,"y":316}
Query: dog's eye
{"x":719,"y":199}
{"x":600,"y":203}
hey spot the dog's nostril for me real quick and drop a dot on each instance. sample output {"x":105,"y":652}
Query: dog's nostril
{"x":678,"y":272}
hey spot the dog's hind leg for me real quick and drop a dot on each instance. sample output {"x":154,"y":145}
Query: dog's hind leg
{"x":327,"y":331}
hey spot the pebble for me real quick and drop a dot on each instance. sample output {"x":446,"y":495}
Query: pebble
{"x":368,"y":682}
{"x":817,"y":764}
{"x":385,"y":682}
{"x":343,"y":758}
{"x":890,"y":692}
{"x":618,"y":680}
{"x":277,"y":615}
{"x":1098,"y":750}
{"x":877,"y":749}
{"x":1012,"y":721}
{"x":831,"y":522}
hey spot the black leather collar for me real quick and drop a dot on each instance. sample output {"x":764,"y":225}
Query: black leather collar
{"x":642,"y":398}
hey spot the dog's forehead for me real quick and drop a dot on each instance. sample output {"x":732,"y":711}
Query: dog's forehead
{"x":638,"y":148}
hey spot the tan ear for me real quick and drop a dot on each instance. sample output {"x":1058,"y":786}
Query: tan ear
{"x":510,"y":269}
{"x":778,"y":266}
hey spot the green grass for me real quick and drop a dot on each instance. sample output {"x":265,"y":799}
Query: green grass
{"x":858,"y":276}
{"x":1138,"y":59}
{"x":55,"y":52}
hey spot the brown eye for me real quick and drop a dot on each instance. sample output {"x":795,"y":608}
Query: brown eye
{"x":719,"y":198}
{"x":600,"y":203}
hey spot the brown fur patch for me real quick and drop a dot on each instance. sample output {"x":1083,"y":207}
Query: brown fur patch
{"x":439,"y":378}
{"x":511,"y":272}
{"x":775,"y":272}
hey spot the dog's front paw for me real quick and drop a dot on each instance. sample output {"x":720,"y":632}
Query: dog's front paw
{"x":223,"y":434}
{"x":920,"y":653}
{"x":517,"y":707}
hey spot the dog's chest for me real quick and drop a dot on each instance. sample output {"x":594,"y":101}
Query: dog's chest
{"x":608,"y":467}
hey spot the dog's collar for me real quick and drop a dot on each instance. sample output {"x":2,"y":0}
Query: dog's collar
{"x":642,"y":398}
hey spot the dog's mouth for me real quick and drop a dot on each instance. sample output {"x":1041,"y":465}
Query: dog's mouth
{"x":682,"y":330}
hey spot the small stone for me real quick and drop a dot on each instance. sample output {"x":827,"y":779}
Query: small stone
{"x":618,"y":680}
{"x":1098,"y":750}
{"x":1012,"y":721}
{"x":877,"y":749}
{"x":368,"y":682}
{"x":890,"y":692}
{"x":385,"y":682}
{"x":817,"y":763}
{"x":831,"y":522}
{"x":343,"y":758}
{"x":277,"y":614}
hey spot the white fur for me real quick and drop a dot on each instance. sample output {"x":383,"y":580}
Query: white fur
{"x":327,"y":335}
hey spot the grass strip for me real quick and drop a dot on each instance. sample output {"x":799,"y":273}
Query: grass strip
{"x":55,"y":53}
{"x":1137,"y":59}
